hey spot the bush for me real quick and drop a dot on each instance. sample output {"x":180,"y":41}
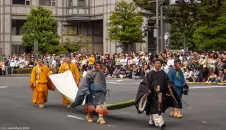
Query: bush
{"x":23,"y":71}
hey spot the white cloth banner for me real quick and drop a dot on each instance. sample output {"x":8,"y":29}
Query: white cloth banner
{"x":65,"y":83}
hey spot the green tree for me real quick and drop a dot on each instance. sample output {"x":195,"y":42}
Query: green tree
{"x":42,"y":27}
{"x":211,"y":30}
{"x":182,"y":17}
{"x":125,"y":25}
{"x":76,"y":42}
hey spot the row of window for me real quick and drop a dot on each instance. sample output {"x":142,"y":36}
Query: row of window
{"x":47,"y":2}
{"x":17,"y":27}
{"x":41,"y":2}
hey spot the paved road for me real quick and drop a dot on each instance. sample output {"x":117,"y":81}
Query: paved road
{"x":207,"y":112}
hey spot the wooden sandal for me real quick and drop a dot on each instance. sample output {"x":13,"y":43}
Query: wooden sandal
{"x":179,"y":115}
{"x":89,"y":119}
{"x":101,"y":121}
{"x":176,"y":114}
{"x":41,"y":105}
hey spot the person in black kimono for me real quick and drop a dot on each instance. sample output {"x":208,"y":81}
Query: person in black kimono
{"x":156,"y":95}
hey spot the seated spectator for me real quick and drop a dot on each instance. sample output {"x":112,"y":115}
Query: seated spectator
{"x":136,"y":72}
{"x":143,"y":72}
{"x":224,"y":76}
{"x":188,"y":74}
{"x":219,"y":77}
{"x":122,"y":73}
{"x":211,"y":78}
{"x":195,"y":76}
{"x":116,"y":72}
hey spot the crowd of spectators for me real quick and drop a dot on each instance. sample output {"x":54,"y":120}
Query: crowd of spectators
{"x":196,"y":66}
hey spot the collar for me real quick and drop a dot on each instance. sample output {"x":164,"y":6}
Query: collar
{"x":156,"y":70}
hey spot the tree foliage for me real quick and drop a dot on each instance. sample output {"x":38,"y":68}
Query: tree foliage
{"x":42,"y":27}
{"x":125,"y":24}
{"x":211,"y":30}
{"x":182,"y":18}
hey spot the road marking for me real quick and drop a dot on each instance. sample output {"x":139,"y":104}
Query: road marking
{"x":204,"y":122}
{"x":79,"y":118}
{"x":113,"y":83}
{"x":4,"y":86}
{"x":111,"y":126}
{"x":119,"y":80}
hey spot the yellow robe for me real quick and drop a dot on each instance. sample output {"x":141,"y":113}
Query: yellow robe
{"x":39,"y":77}
{"x":75,"y":72}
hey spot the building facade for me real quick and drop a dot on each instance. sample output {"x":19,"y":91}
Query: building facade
{"x":86,"y":18}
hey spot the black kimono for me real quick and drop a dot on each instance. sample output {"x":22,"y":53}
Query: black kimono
{"x":153,"y":105}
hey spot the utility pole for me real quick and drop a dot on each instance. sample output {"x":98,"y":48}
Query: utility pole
{"x":162,"y":27}
{"x":157,"y":26}
{"x":36,"y":50}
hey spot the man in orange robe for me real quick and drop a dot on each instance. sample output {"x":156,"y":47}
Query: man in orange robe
{"x":68,"y":65}
{"x":38,"y":83}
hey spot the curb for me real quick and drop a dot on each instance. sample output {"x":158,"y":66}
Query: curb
{"x":16,"y":75}
{"x":206,"y":83}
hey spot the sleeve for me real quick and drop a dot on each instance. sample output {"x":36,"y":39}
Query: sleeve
{"x":182,"y":76}
{"x":165,"y":87}
{"x":104,"y":83}
{"x":33,"y":77}
{"x":47,"y":71}
{"x":170,"y":76}
{"x":61,"y":69}
{"x":50,"y":84}
{"x":77,"y":75}
{"x":143,"y":88}
{"x":83,"y":90}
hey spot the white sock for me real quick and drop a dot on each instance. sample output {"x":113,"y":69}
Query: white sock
{"x":151,"y":120}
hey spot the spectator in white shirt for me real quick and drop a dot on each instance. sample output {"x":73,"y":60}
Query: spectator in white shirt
{"x":12,"y":65}
{"x":170,"y":61}
{"x":188,"y":74}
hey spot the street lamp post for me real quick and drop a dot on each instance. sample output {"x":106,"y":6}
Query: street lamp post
{"x":36,"y":49}
{"x":162,"y":27}
{"x":157,"y":26}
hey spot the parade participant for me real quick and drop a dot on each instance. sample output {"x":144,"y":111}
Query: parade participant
{"x":176,"y":77}
{"x":93,"y":89}
{"x":67,"y":65}
{"x":154,"y":94}
{"x":38,"y":83}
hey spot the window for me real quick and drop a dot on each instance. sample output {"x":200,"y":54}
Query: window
{"x":53,"y":2}
{"x":17,"y":26}
{"x":21,"y":2}
{"x":70,"y":3}
{"x":47,"y":2}
{"x":18,"y":49}
{"x":70,"y":29}
{"x":81,"y":2}
{"x":27,"y":2}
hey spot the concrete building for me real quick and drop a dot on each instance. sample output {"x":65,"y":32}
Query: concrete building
{"x":84,"y":17}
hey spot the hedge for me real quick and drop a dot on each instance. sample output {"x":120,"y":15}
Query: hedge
{"x":23,"y":71}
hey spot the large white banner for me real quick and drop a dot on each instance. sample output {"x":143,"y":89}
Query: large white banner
{"x":65,"y":83}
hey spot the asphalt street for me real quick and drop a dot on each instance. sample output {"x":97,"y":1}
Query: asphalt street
{"x":207,"y":112}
